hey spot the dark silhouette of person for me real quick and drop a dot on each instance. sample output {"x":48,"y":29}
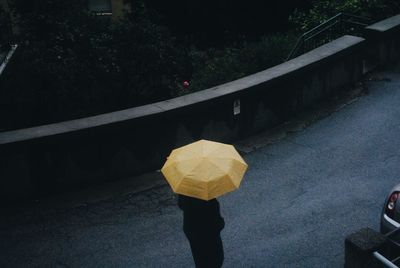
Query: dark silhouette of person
{"x":202,"y":225}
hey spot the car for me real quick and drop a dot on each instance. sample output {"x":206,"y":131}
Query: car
{"x":390,"y":217}
{"x":390,"y":227}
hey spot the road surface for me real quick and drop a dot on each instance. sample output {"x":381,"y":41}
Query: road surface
{"x":300,"y":198}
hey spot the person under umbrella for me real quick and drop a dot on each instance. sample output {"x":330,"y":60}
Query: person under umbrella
{"x":199,"y":173}
{"x":202,"y":224}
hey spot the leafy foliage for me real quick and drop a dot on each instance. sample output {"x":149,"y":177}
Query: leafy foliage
{"x":5,"y":34}
{"x":322,"y":10}
{"x":73,"y":64}
{"x":213,"y":66}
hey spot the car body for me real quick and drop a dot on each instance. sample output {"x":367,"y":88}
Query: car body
{"x":390,"y":217}
{"x":390,"y":227}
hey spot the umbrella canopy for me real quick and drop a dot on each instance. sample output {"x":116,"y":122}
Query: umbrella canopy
{"x":204,"y":169}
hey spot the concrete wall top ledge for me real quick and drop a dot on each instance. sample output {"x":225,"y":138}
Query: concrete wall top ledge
{"x":385,"y":25}
{"x":315,"y":56}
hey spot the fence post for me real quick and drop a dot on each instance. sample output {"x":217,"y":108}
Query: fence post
{"x":359,"y":248}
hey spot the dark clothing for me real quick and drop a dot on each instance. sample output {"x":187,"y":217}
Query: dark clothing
{"x":207,"y":251}
{"x":202,"y":224}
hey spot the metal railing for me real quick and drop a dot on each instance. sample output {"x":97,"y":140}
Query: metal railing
{"x":392,"y":257}
{"x":7,"y":40}
{"x":331,"y":29}
{"x":6,"y":59}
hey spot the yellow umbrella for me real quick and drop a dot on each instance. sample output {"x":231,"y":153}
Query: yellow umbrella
{"x":204,"y":169}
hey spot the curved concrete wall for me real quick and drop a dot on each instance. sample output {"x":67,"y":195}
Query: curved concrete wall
{"x":128,"y":142}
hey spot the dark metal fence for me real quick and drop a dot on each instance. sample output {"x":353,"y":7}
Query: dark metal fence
{"x":7,"y":40}
{"x":331,"y":29}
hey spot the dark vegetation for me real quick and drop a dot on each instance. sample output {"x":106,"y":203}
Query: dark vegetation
{"x":5,"y":30}
{"x":219,"y":22}
{"x":72,"y":64}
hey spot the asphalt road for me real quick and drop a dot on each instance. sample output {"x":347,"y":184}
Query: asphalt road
{"x":300,"y":198}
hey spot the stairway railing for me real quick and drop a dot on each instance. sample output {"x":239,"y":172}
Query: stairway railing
{"x":333,"y":28}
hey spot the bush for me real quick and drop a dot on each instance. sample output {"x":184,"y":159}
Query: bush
{"x":322,"y":10}
{"x":72,"y":64}
{"x":213,"y":67}
{"x":5,"y":31}
{"x":151,"y":64}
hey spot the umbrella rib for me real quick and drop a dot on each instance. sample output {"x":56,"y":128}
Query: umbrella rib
{"x":184,"y":175}
{"x":217,"y":167}
{"x":227,"y":173}
{"x":224,"y":174}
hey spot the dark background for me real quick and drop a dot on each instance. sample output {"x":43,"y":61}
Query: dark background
{"x":220,"y":21}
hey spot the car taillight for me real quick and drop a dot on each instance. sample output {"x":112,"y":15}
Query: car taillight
{"x":391,"y":204}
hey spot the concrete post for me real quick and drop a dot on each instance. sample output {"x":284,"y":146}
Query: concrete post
{"x":359,"y":248}
{"x":383,"y":41}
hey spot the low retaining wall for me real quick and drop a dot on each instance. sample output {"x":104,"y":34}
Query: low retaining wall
{"x":110,"y":146}
{"x":124,"y":143}
{"x":383,"y":42}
